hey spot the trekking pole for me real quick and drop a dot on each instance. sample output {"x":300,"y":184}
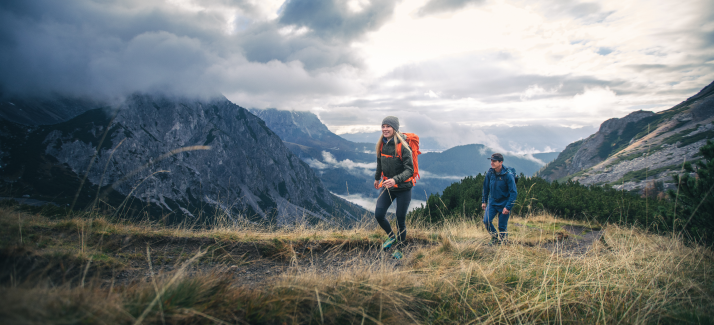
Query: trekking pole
{"x":384,"y":189}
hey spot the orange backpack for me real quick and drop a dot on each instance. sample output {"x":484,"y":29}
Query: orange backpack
{"x":413,"y":142}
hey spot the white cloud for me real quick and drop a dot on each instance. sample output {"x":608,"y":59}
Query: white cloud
{"x":357,"y":6}
{"x":370,"y":203}
{"x":431,"y":94}
{"x":594,"y":100}
{"x":329,"y":161}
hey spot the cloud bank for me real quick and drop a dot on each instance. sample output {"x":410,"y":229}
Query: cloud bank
{"x":447,"y":67}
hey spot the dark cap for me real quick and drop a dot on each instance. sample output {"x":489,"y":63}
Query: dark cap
{"x":496,"y":157}
{"x":392,"y":121}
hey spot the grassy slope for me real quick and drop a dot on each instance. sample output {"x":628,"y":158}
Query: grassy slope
{"x":88,"y":269}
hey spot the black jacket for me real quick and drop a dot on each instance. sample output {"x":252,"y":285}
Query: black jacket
{"x":393,"y":167}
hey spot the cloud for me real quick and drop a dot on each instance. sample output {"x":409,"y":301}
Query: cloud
{"x":441,"y":6}
{"x":370,"y":203}
{"x":480,"y":64}
{"x":329,"y":161}
{"x":334,"y":19}
{"x":427,"y":175}
{"x":78,"y":47}
{"x":594,"y":100}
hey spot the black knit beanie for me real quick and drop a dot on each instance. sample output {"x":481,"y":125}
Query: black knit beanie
{"x":392,"y":121}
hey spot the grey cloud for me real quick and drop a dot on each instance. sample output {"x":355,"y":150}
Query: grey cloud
{"x":107,"y":49}
{"x":604,"y":51}
{"x":333,"y":19}
{"x":485,"y":79}
{"x":441,"y":6}
{"x":265,"y":43}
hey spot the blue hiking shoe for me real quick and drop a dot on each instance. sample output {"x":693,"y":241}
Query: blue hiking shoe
{"x":397,"y":255}
{"x":388,"y":244}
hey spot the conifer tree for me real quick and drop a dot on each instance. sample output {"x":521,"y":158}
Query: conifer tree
{"x":695,"y":196}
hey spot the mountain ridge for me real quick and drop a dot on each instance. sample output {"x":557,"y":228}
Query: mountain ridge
{"x":643,"y":147}
{"x":157,"y":150}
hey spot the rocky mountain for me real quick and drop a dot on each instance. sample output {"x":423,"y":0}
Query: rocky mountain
{"x":641,"y":149}
{"x":308,"y":137}
{"x":173,"y":157}
{"x":345,"y":167}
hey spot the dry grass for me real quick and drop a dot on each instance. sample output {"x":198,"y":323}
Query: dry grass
{"x":448,"y":276}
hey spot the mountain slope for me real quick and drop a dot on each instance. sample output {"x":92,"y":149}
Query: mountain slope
{"x":179,"y":157}
{"x":308,"y":137}
{"x":639,"y":148}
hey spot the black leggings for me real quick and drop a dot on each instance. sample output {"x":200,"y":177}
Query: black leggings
{"x":384,"y":201}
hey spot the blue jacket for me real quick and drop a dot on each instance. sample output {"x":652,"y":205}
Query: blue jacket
{"x":500,"y":189}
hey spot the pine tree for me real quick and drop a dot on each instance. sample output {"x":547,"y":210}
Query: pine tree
{"x":695,"y":196}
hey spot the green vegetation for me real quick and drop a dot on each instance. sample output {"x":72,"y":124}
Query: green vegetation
{"x":642,"y":174}
{"x":569,"y":200}
{"x":695,"y":195}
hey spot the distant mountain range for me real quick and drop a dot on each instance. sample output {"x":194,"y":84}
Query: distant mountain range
{"x":346,"y":168}
{"x":176,"y":158}
{"x":640,"y":148}
{"x":474,"y":158}
{"x":308,"y":137}
{"x":527,"y":138}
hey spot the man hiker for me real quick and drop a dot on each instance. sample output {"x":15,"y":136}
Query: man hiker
{"x":499,"y":195}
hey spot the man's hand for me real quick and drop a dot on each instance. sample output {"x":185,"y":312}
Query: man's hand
{"x":483,"y":206}
{"x":376,"y":184}
{"x":505,"y":211}
{"x":389,"y":183}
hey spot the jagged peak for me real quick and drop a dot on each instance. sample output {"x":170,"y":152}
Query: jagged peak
{"x":616,"y":124}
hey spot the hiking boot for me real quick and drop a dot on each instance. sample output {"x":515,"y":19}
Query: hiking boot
{"x":494,"y":241}
{"x":397,"y":255}
{"x":388,"y":244}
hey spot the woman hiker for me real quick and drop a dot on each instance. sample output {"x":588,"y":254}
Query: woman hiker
{"x":394,"y":175}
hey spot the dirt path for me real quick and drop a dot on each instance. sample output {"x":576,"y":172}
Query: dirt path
{"x":577,"y":241}
{"x":249,"y":263}
{"x":124,"y":258}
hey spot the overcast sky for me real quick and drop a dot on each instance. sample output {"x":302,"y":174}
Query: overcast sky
{"x":446,"y":68}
